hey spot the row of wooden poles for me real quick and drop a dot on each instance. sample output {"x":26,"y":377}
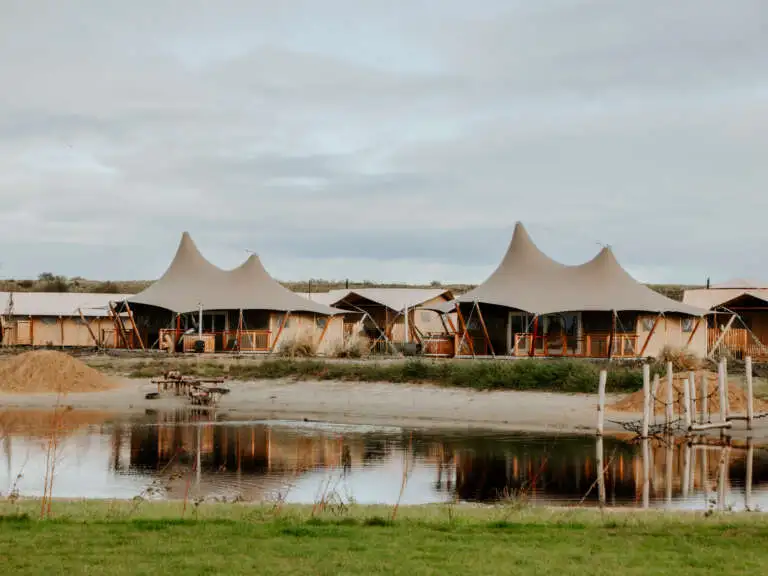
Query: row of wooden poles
{"x":692,"y":406}
{"x":687,"y":484}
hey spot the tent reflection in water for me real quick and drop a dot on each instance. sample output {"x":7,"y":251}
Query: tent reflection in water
{"x":242,"y":309}
{"x":532,"y":305}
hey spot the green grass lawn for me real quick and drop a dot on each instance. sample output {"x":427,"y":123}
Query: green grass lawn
{"x":101,"y":538}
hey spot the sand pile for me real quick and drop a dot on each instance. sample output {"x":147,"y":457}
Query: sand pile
{"x":49,"y":371}
{"x":737,"y":397}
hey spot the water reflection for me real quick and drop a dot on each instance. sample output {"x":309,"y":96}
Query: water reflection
{"x":186,"y":455}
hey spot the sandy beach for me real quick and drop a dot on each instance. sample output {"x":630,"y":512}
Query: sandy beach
{"x":369,"y":403}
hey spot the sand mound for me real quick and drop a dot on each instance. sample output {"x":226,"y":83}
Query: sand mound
{"x":737,"y":397}
{"x":49,"y":371}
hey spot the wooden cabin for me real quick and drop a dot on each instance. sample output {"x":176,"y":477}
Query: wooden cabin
{"x":738,"y":318}
{"x":59,"y":319}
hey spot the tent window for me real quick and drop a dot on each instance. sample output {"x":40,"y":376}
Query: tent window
{"x":648,"y":323}
{"x":49,"y":320}
{"x":687,"y":324}
{"x":279,"y":322}
{"x":320,"y":322}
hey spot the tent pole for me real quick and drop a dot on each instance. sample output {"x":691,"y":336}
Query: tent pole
{"x":612,"y":337}
{"x":532,"y":350}
{"x":717,"y":343}
{"x":693,"y":332}
{"x":133,"y":324}
{"x":238,"y":342}
{"x":280,"y":331}
{"x":650,"y":335}
{"x":485,"y":328}
{"x":464,"y":332}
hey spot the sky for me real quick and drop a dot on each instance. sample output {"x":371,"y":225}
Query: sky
{"x":395,"y":140}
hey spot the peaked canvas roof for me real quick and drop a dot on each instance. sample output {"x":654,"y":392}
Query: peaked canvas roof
{"x":715,"y":297}
{"x":529,"y":280}
{"x":192,"y":280}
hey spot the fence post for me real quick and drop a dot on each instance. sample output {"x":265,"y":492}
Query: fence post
{"x":750,"y":402}
{"x":670,"y":395}
{"x":687,"y":402}
{"x":748,"y":479}
{"x":601,"y":402}
{"x":705,"y":398}
{"x":692,"y":390}
{"x":721,"y":389}
{"x":646,"y":474}
{"x":725,"y":381}
{"x":646,"y":398}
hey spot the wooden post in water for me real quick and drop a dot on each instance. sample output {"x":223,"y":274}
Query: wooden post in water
{"x":721,"y":388}
{"x":748,"y":479}
{"x":646,"y":474}
{"x":686,"y":480}
{"x":704,"y":398}
{"x":601,"y":401}
{"x":750,"y":401}
{"x":646,"y":398}
{"x":669,"y":470}
{"x":600,"y":471}
{"x":669,"y":413}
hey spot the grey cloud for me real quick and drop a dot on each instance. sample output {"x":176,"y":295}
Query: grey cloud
{"x":385,"y":132}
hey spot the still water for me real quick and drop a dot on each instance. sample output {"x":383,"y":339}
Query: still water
{"x":172,"y":455}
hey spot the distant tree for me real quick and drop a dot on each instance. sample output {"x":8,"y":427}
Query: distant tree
{"x":107,"y":287}
{"x":51,"y":283}
{"x":436,"y":284}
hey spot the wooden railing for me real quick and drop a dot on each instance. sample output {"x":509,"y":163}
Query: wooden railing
{"x":225,"y":341}
{"x":442,"y":345}
{"x":592,"y":345}
{"x":737,"y":341}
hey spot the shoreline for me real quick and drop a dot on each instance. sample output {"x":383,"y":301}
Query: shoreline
{"x":370,"y":403}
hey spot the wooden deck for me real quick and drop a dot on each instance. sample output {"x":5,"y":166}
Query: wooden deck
{"x":739,"y":342}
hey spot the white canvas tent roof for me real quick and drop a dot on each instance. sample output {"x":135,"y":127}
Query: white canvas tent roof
{"x":191,"y":281}
{"x":64,"y":304}
{"x":529,"y":280}
{"x":715,"y":297}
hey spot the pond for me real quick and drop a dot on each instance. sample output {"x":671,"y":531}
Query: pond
{"x":173,"y":455}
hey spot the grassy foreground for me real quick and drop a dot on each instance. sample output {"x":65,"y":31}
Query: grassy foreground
{"x":119,"y":538}
{"x":554,"y":375}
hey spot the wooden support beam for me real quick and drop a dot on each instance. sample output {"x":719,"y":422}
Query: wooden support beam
{"x":286,"y":317}
{"x":719,"y":340}
{"x":133,"y":324}
{"x":650,"y":335}
{"x":464,"y":332}
{"x":485,"y":329}
{"x":532,"y":349}
{"x":88,"y":325}
{"x":113,"y":314}
{"x":693,"y":332}
{"x":61,"y":330}
{"x":612,"y":335}
{"x":325,"y":329}
{"x":450,"y":322}
{"x":239,"y":335}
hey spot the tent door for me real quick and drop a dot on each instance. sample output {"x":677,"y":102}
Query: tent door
{"x":518,"y":323}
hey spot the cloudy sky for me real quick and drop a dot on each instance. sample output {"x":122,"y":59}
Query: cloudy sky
{"x":385,"y":140}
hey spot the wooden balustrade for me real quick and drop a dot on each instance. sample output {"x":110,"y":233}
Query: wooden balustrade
{"x":738,"y":342}
{"x":591,"y":345}
{"x":439,"y":345}
{"x":225,"y":341}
